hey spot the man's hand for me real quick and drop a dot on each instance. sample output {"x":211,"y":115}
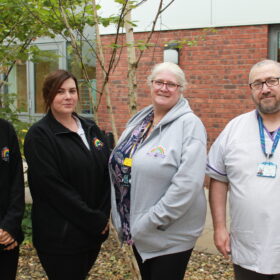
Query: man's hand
{"x":222,"y":241}
{"x":218,"y":200}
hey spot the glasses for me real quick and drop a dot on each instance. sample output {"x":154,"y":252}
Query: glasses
{"x":169,"y":86}
{"x":270,"y":82}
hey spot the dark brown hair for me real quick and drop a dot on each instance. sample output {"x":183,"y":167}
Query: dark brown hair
{"x":53,"y":82}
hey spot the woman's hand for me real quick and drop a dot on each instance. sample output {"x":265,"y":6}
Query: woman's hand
{"x":12,"y":246}
{"x":7,"y":239}
{"x":106,"y":228}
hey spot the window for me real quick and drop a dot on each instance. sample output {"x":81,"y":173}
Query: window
{"x":274,"y":42}
{"x":44,"y":64}
{"x":50,"y":58}
{"x":87,"y":89}
{"x":26,"y":78}
{"x":17,"y":84}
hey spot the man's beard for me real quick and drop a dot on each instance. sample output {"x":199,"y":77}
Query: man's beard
{"x":267,"y":109}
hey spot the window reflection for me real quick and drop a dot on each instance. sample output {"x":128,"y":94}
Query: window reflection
{"x":44,"y":64}
{"x":17,"y":84}
{"x":87,"y":88}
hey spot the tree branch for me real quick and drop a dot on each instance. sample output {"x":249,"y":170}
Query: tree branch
{"x":159,"y":12}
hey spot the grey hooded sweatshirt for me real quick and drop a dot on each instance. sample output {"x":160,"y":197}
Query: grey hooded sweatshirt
{"x":168,"y":204}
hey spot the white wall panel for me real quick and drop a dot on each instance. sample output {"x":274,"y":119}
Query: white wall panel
{"x":244,"y":12}
{"x":185,"y":14}
{"x":181,"y":14}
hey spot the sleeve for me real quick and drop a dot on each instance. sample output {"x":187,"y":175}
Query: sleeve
{"x":186,"y":183}
{"x":14,"y":214}
{"x":105,"y":203}
{"x":46,"y":182}
{"x":216,"y":168}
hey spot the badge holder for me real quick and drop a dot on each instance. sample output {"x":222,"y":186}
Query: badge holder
{"x":267,"y":169}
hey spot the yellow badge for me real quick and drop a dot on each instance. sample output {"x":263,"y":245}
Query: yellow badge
{"x":127,"y":162}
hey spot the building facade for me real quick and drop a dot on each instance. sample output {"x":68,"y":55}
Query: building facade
{"x":216,"y":70}
{"x":216,"y":67}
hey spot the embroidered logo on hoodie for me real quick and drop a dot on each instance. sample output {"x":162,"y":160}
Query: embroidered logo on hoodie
{"x":98,"y":144}
{"x":158,"y":151}
{"x":5,"y":154}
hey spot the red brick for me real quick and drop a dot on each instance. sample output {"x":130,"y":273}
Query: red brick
{"x":216,"y":69}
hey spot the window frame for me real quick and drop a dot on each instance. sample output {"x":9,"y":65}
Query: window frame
{"x":61,"y":48}
{"x":44,"y":44}
{"x":273,"y":42}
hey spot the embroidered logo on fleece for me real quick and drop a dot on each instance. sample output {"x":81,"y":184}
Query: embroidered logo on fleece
{"x":158,"y":151}
{"x":98,"y":144}
{"x":5,"y":154}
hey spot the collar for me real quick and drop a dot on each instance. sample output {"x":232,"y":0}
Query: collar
{"x":58,"y":128}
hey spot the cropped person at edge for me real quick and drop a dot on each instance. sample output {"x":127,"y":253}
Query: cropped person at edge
{"x":11,"y":201}
{"x":157,"y":171}
{"x":68,"y":176}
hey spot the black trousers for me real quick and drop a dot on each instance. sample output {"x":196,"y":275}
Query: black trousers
{"x":166,"y":267}
{"x":70,"y":267}
{"x":9,"y":263}
{"x":245,"y":274}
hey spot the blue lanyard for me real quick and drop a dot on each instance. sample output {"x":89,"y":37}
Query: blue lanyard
{"x":262,"y":138}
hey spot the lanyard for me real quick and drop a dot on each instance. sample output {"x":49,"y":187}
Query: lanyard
{"x":262,"y":138}
{"x":140,"y":139}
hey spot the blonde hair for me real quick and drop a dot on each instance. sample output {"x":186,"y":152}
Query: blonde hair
{"x":173,"y":69}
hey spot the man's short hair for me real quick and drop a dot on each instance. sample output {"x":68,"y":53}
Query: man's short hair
{"x":263,"y":63}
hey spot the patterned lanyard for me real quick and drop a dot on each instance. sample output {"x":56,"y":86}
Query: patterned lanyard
{"x":140,"y":139}
{"x":262,"y":138}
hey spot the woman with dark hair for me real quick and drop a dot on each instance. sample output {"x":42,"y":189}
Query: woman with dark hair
{"x":11,"y":201}
{"x":68,"y":177}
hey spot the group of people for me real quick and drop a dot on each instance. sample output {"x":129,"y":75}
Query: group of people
{"x":151,"y":183}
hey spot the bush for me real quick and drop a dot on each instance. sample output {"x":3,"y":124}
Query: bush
{"x":9,"y":112}
{"x":26,"y":224}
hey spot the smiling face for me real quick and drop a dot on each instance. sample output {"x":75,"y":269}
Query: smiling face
{"x":267,"y":99}
{"x":164,"y":97}
{"x":66,"y":98}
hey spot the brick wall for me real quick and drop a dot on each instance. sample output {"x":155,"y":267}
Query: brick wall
{"x":216,"y":69}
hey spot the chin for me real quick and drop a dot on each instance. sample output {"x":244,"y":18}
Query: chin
{"x":269,"y":110}
{"x":66,"y":111}
{"x":161,"y":106}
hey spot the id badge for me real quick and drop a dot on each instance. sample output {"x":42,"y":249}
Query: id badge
{"x":127,"y":162}
{"x":267,"y":169}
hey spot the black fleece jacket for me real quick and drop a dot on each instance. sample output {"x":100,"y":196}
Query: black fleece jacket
{"x":69,"y":185}
{"x":11,"y":182}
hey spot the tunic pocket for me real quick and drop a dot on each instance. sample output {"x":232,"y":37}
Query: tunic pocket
{"x":243,"y":248}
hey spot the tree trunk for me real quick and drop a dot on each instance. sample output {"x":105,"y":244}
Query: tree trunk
{"x":132,"y":66}
{"x":105,"y":77}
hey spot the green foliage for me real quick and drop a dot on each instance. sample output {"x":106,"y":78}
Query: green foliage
{"x":27,"y":225}
{"x":142,"y":45}
{"x":49,"y":14}
{"x":193,"y":41}
{"x":23,"y":21}
{"x":9,"y":111}
{"x":17,"y":30}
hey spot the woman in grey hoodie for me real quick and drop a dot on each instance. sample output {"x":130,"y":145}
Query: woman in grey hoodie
{"x":157,"y":173}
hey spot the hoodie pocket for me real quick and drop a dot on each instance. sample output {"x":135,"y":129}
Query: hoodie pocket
{"x":148,"y":237}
